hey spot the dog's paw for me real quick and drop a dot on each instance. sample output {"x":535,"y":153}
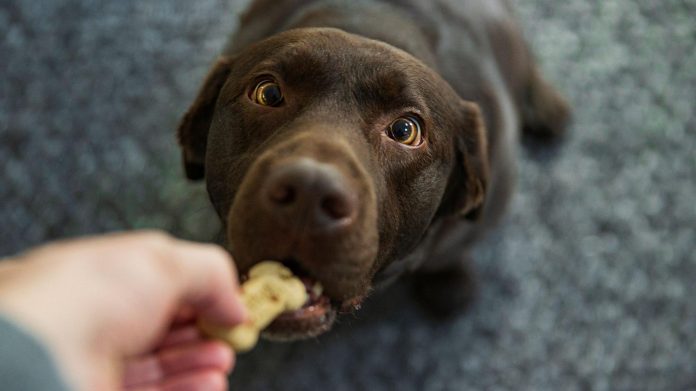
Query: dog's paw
{"x":446,"y":293}
{"x":545,"y":113}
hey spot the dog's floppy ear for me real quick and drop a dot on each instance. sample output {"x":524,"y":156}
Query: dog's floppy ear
{"x":468,"y":183}
{"x":193,"y":129}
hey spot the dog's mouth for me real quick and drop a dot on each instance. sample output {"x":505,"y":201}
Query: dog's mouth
{"x":315,"y":317}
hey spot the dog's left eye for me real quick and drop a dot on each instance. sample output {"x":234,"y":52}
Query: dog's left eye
{"x":406,"y":130}
{"x":268,"y":93}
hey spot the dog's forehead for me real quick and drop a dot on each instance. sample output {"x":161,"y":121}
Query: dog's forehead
{"x":375,"y":73}
{"x":333,"y":50}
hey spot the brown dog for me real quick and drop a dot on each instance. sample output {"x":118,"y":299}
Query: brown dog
{"x":357,"y":140}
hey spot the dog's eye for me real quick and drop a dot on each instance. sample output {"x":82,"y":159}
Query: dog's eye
{"x":267,"y":93}
{"x":406,"y":130}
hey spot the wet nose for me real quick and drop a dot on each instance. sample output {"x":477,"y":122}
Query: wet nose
{"x":310,"y":193}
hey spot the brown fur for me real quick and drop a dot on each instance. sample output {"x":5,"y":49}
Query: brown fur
{"x":347,"y":71}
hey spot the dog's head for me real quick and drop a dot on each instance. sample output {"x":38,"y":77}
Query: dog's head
{"x":333,"y":153}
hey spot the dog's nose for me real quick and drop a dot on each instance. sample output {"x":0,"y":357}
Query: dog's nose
{"x":310,"y":194}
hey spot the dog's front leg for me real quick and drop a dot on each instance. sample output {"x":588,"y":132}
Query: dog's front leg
{"x":446,"y":284}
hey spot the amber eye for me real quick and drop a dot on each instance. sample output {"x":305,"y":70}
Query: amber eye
{"x":267,"y":93}
{"x":406,"y":130}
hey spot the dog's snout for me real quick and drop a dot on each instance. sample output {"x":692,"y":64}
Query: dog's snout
{"x":310,"y":193}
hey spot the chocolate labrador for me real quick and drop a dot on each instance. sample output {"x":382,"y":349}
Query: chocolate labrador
{"x":359,"y":140}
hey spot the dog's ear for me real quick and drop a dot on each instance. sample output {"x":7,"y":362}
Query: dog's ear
{"x":193,"y":129}
{"x":468,"y":183}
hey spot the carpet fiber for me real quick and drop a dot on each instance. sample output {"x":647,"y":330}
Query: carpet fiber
{"x":588,"y":284}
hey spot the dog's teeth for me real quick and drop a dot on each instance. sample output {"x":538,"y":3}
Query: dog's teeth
{"x":317,"y":289}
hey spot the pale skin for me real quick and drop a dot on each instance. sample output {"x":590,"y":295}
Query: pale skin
{"x":118,"y":311}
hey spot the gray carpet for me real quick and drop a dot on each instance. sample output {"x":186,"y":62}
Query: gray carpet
{"x":587,"y":285}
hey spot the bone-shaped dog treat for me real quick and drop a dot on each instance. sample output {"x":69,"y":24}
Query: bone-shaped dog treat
{"x":270,"y":290}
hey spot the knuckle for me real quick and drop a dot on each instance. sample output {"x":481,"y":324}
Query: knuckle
{"x":156,"y":244}
{"x":219,"y":252}
{"x":156,"y":248}
{"x":221,"y":257}
{"x":154,"y":238}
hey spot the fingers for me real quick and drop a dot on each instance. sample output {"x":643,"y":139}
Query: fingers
{"x":185,"y":315}
{"x":202,"y":277}
{"x":199,"y":381}
{"x":125,"y":291}
{"x":180,"y":336}
{"x":207,"y":280}
{"x":178,"y":362}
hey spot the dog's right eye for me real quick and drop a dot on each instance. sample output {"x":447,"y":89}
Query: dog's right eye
{"x":267,"y":93}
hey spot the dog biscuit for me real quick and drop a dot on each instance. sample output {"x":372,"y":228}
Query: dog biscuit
{"x":270,"y":290}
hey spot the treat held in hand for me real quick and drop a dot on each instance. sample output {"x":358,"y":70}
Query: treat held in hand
{"x":270,"y":290}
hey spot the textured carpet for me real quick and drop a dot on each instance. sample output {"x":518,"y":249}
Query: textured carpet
{"x":589,"y":283}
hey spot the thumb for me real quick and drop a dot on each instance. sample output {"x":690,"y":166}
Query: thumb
{"x":205,"y":278}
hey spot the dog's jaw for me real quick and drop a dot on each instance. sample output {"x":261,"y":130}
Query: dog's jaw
{"x":316,"y":316}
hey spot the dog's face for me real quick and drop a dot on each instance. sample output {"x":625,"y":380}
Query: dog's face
{"x":334,"y":154}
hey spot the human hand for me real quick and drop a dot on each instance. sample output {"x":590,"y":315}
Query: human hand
{"x":119,"y":311}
